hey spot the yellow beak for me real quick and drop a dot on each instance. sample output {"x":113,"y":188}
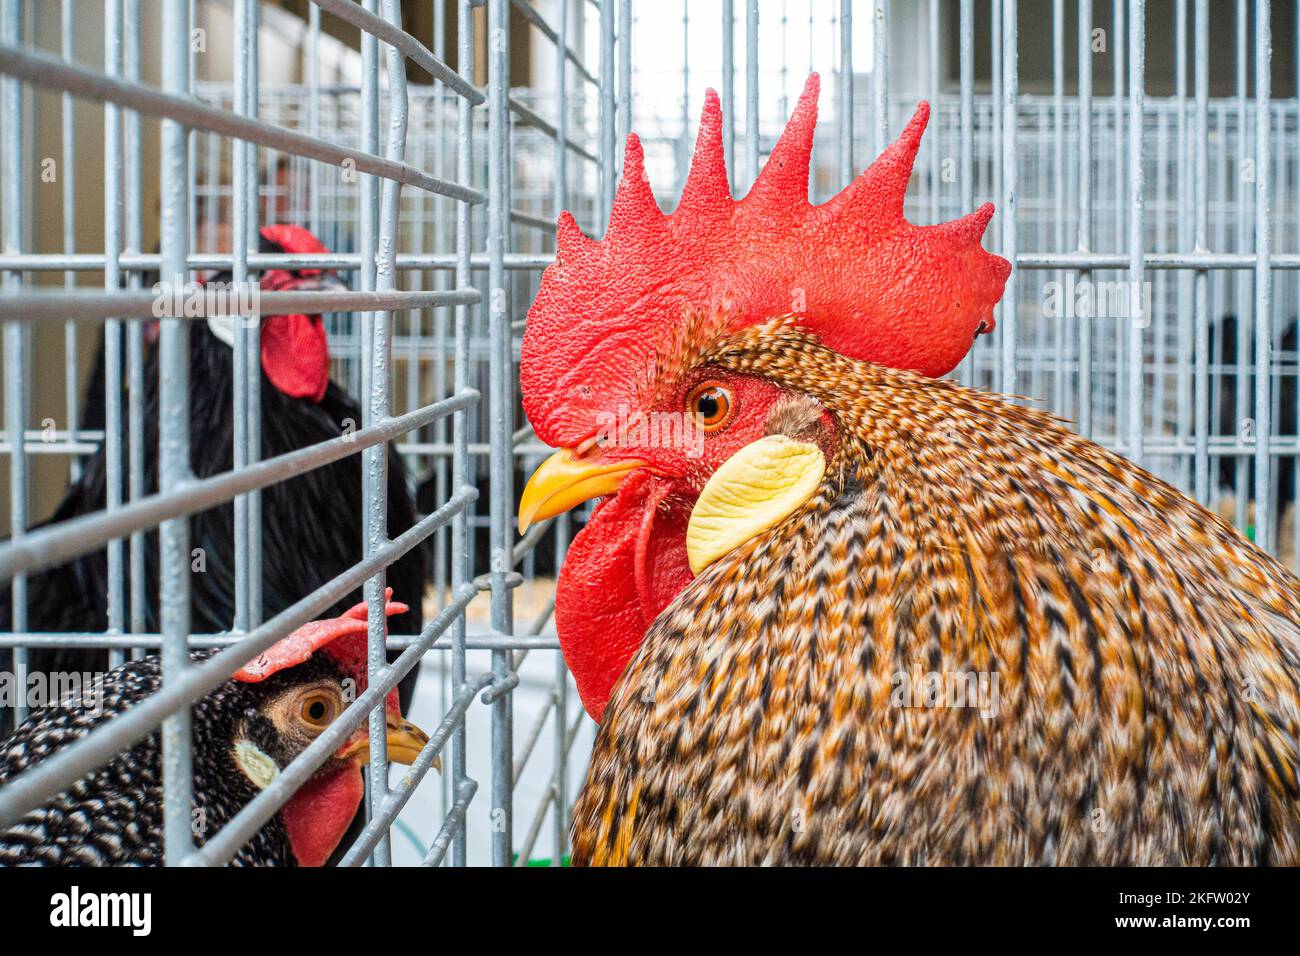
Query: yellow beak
{"x":565,"y":480}
{"x":405,"y":741}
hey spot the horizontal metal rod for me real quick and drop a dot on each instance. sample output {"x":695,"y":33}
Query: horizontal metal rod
{"x":58,"y":74}
{"x":1151,"y":260}
{"x":479,"y":449}
{"x":404,"y":43}
{"x":54,"y":545}
{"x":59,"y":771}
{"x":151,"y":262}
{"x":35,"y":446}
{"x":84,"y":306}
{"x":152,"y":640}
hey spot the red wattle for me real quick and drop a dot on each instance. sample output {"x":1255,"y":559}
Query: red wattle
{"x":620,"y":572}
{"x":317,"y":816}
{"x":295,"y":355}
{"x":662,"y":566}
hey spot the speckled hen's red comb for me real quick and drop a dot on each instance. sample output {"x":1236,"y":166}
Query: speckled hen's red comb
{"x":864,"y":279}
{"x":342,"y":637}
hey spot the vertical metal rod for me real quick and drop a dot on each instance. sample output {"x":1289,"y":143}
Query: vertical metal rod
{"x":1244,"y":428}
{"x":174,"y":437}
{"x":241,"y":229}
{"x":751,"y":92}
{"x":846,"y":92}
{"x":880,"y":74}
{"x":1010,"y":332}
{"x":252,"y":341}
{"x":374,"y":378}
{"x":133,"y":165}
{"x":1200,"y":185}
{"x":68,"y":104}
{"x":684,"y":141}
{"x":1120,"y":340}
{"x":460,"y":419}
{"x":1186,"y":334}
{"x":729,"y":90}
{"x":313,"y":113}
{"x":561,"y":200}
{"x":624,"y":113}
{"x":560,"y":193}
{"x":1139,"y":317}
{"x":112,"y":327}
{"x":375,"y":459}
{"x":15,"y":333}
{"x":606,"y":119}
{"x":932,"y":62}
{"x":192,"y":213}
{"x":501,"y":399}
{"x":1085,"y":210}
{"x":966,"y":146}
{"x":1059,"y":194}
{"x":1264,"y":530}
{"x":995,"y":34}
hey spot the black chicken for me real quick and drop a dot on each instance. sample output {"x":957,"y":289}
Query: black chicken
{"x":244,"y":733}
{"x":311,"y":524}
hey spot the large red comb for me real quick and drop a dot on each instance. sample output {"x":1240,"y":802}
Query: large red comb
{"x":869,"y":283}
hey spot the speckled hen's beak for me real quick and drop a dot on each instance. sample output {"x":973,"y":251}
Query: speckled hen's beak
{"x":405,"y":741}
{"x":566,"y":480}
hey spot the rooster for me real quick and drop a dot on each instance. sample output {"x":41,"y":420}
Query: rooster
{"x":872,"y":616}
{"x":311,"y":524}
{"x":245,"y":733}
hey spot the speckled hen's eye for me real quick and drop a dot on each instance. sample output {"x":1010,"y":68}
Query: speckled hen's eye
{"x":711,"y":404}
{"x":318,"y":709}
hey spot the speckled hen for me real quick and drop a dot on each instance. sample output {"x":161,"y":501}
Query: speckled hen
{"x":244,"y":734}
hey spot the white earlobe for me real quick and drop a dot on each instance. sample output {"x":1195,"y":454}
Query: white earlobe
{"x":223,"y":327}
{"x":260,"y":769}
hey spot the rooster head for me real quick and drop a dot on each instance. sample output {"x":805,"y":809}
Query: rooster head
{"x":606,"y":371}
{"x":295,"y":349}
{"x":299,"y":693}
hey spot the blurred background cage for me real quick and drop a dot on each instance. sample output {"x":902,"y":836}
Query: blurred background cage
{"x":1144,"y":158}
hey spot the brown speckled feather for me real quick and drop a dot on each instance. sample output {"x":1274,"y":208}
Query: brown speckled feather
{"x":1146,"y":658}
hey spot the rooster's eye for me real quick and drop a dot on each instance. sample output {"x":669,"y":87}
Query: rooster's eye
{"x":711,"y":404}
{"x":318,"y":710}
